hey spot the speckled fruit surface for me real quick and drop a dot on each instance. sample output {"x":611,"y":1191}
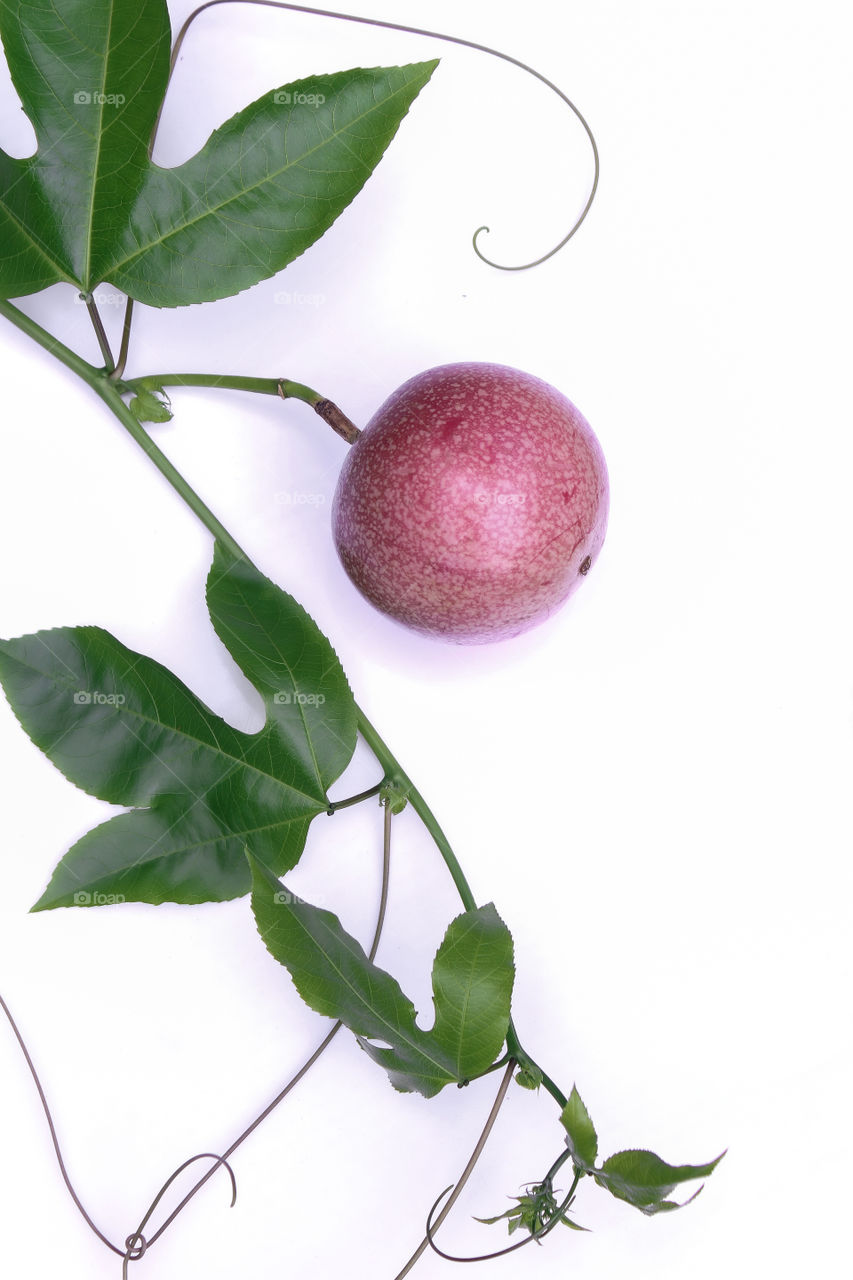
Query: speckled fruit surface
{"x":473,"y":503}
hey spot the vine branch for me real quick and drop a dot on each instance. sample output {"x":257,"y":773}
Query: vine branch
{"x":466,"y":1172}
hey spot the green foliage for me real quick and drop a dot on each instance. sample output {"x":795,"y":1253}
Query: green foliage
{"x":394,"y":795}
{"x":529,"y":1076}
{"x":213,"y":812}
{"x":472,"y":980}
{"x":90,"y":206}
{"x":533,"y":1211}
{"x":644,"y":1180}
{"x":582,"y":1139}
{"x":639,"y":1177}
{"x":127,"y":730}
{"x":91,"y":75}
{"x":148,"y":406}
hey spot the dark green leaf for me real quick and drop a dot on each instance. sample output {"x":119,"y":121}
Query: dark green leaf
{"x":89,"y":206}
{"x":280,"y":649}
{"x":582,"y":1139}
{"x":644,"y":1180}
{"x":125,"y":729}
{"x":265,"y":186}
{"x":472,"y":987}
{"x":90,"y":75}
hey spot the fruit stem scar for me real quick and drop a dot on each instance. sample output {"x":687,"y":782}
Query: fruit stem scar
{"x":337,"y":420}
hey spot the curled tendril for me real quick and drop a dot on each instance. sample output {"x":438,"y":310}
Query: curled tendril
{"x":136,"y":1243}
{"x":120,"y":364}
{"x":433,"y":35}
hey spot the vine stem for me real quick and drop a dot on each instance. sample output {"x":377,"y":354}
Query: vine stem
{"x":309,"y":1062}
{"x":283,"y":387}
{"x":110,"y":393}
{"x":466,"y":1172}
{"x":234,"y":382}
{"x":136,"y":1245}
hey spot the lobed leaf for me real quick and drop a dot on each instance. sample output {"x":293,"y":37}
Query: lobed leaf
{"x":125,"y":729}
{"x":280,"y":649}
{"x":89,"y":206}
{"x":264,"y":187}
{"x":91,"y":75}
{"x":472,"y":987}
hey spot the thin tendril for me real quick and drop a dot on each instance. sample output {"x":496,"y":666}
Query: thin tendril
{"x":500,"y":1253}
{"x":309,"y":1063}
{"x":466,"y":1172}
{"x":136,"y":1244}
{"x":433,"y":35}
{"x":51,"y":1127}
{"x":415,"y":31}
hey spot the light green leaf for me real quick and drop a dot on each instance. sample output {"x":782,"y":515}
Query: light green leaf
{"x":582,"y":1140}
{"x":148,"y":406}
{"x":644,"y":1180}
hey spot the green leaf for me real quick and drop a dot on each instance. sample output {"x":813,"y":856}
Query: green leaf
{"x":529,"y":1076}
{"x":127,"y":730}
{"x":89,"y":206}
{"x":91,"y":75}
{"x":280,"y":649}
{"x":148,"y":407}
{"x":472,"y":987}
{"x":582,"y":1139}
{"x":644,"y":1180}
{"x":534,"y":1211}
{"x":265,"y":186}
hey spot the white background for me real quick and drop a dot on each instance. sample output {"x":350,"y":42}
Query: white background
{"x":654,"y":788}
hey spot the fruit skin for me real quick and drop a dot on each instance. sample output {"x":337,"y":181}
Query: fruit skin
{"x":472,"y":504}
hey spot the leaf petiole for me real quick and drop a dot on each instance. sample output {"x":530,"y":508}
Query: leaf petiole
{"x":283,"y":387}
{"x":334,"y":805}
{"x":100,"y":331}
